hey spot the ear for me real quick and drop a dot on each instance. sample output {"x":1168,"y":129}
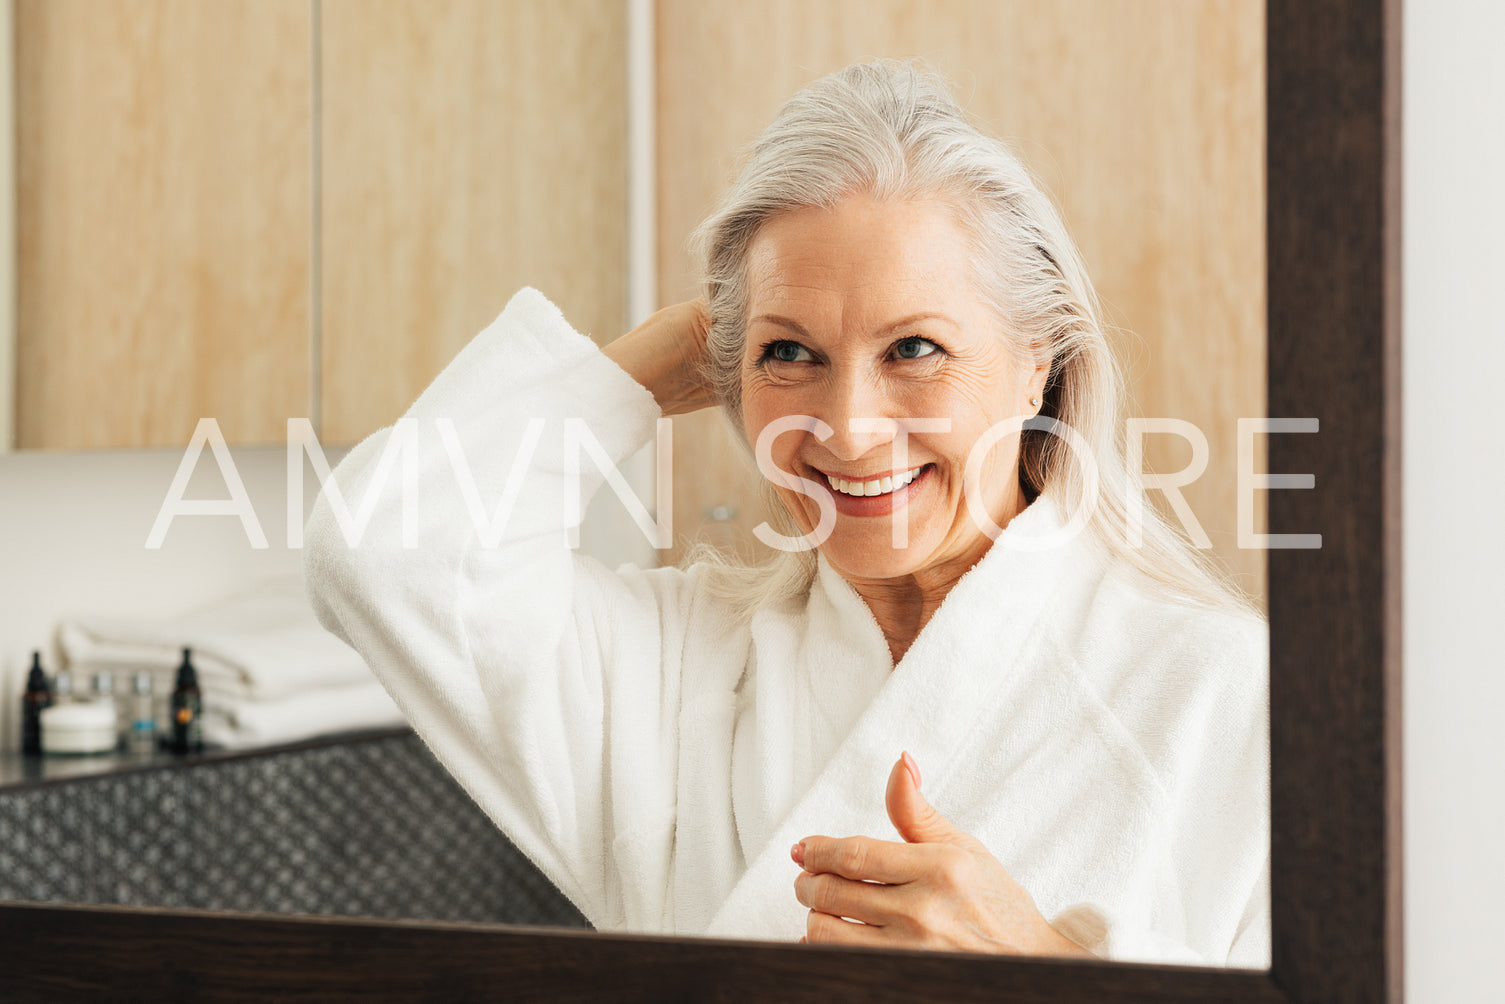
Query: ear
{"x":1034,"y":385}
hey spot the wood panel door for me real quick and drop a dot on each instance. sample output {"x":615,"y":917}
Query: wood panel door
{"x":469,"y":148}
{"x":1144,"y":120}
{"x":163,"y":217}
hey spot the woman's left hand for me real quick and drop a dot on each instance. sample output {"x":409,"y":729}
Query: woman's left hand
{"x":940,"y":889}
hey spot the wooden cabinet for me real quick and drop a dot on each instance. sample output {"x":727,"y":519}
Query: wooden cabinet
{"x":263,"y":209}
{"x":163,"y":214}
{"x":1145,"y":122}
{"x":469,"y":148}
{"x":256,"y":210}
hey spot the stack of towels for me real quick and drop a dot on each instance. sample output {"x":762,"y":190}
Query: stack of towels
{"x":268,"y":671}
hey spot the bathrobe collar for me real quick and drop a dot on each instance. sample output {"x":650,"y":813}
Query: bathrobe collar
{"x":963,"y":664}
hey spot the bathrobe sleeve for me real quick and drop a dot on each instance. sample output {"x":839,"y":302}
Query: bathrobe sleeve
{"x":545,"y":683}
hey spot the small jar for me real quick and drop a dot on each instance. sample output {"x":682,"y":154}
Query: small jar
{"x":78,"y":729}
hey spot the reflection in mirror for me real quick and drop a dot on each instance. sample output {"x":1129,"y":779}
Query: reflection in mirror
{"x":911,"y":735}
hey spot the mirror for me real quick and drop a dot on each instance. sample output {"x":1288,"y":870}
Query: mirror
{"x":1333,"y":210}
{"x":1171,"y":467}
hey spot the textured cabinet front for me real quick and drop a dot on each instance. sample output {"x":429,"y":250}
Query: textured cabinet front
{"x":370,"y":828}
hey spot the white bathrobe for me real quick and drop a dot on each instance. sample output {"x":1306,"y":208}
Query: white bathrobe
{"x":656,"y":758}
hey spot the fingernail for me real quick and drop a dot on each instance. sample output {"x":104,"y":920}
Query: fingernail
{"x":912,"y":767}
{"x":797,"y":852}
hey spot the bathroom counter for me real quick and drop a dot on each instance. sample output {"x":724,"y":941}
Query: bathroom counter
{"x":364,"y":824}
{"x":21,"y":770}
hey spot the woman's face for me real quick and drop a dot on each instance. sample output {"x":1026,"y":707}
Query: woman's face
{"x":868,"y":312}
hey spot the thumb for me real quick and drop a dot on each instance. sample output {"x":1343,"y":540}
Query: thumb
{"x":913,"y":816}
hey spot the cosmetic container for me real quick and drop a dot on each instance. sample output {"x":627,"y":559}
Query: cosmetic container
{"x":102,"y":693}
{"x":142,"y":735}
{"x":185,"y":724}
{"x":38,"y":697}
{"x":81,"y":727}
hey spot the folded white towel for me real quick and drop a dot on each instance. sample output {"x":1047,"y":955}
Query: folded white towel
{"x":262,"y":645}
{"x":236,"y":724}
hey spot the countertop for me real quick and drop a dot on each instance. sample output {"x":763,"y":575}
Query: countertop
{"x":21,"y":771}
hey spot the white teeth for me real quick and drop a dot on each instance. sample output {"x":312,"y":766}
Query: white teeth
{"x":879,"y":486}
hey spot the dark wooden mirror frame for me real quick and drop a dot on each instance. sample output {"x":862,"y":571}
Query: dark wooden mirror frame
{"x":1333,"y":205}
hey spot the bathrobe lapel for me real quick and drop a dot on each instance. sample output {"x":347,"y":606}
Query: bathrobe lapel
{"x":974,"y":651}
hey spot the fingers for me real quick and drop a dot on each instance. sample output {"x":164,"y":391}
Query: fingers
{"x":665,"y":354}
{"x":863,"y":858}
{"x":824,"y":929}
{"x":699,"y":319}
{"x":869,"y":902}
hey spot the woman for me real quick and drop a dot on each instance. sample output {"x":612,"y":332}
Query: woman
{"x":736,"y":752}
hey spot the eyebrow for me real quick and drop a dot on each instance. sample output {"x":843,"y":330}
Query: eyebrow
{"x":799,"y":329}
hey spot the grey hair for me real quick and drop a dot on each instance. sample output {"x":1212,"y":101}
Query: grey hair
{"x":890,"y":130}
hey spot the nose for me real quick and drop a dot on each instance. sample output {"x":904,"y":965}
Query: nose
{"x":854,"y":396}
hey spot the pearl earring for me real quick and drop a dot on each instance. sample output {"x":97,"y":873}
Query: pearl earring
{"x":1034,"y":402}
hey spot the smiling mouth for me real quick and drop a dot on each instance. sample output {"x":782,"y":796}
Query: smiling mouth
{"x":877,"y":486}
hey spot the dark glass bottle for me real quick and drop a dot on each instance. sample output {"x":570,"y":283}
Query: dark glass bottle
{"x":186,"y":734}
{"x":38,"y":696}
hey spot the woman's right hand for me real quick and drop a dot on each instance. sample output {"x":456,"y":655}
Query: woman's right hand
{"x":667,"y":355}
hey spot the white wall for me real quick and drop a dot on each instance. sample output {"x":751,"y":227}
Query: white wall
{"x":73,"y":529}
{"x":1454,"y":486}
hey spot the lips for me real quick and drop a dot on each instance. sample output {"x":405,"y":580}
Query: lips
{"x":875,"y":486}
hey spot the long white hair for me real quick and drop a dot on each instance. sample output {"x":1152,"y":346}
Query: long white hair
{"x":890,"y":130}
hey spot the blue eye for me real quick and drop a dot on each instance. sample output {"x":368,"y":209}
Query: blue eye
{"x":915,"y":347}
{"x":786,"y":352}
